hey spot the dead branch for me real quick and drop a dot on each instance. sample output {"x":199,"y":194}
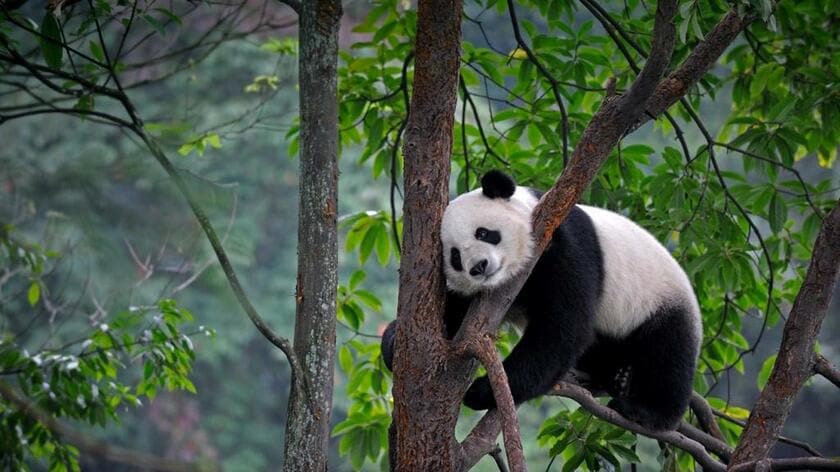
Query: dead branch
{"x":796,"y":359}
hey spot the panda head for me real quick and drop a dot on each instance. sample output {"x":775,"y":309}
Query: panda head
{"x":486,"y":234}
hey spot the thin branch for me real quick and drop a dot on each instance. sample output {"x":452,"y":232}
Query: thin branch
{"x":468,"y":99}
{"x":93,"y":446}
{"x":496,"y":454}
{"x":793,"y":442}
{"x":555,"y":88}
{"x":695,"y":66}
{"x":712,"y":444}
{"x":299,"y":379}
{"x":824,"y":368}
{"x":705,"y":415}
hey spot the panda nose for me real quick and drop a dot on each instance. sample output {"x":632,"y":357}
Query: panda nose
{"x":479,"y":268}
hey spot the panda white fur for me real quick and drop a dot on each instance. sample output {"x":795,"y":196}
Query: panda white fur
{"x":605,"y":297}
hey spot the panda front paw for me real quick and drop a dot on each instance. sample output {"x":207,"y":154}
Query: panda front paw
{"x":480,"y":396}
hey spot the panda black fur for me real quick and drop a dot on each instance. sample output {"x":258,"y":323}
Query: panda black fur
{"x":605,"y":297}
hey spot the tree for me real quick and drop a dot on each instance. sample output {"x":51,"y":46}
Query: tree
{"x":431,"y":373}
{"x":540,"y":88}
{"x":38,"y":56}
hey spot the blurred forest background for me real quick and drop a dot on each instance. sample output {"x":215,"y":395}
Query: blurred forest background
{"x":95,"y":226}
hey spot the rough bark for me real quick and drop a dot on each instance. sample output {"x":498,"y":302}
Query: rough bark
{"x":307,"y":427}
{"x":796,"y":359}
{"x":672,"y":88}
{"x":427,"y":396}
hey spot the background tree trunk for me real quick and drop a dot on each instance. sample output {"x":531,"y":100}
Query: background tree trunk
{"x":796,"y":359}
{"x":308,"y":425}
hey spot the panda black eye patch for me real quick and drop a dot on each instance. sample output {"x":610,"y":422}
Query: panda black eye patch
{"x":488,"y":236}
{"x":455,"y":259}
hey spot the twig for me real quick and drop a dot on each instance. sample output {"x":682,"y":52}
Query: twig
{"x":824,"y":368}
{"x":496,"y":454}
{"x":793,"y":442}
{"x":555,"y":88}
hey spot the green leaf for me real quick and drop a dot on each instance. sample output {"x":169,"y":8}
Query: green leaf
{"x":155,"y":23}
{"x":778,"y":213}
{"x":51,"y":45}
{"x":34,"y":293}
{"x":764,"y":373}
{"x":573,"y":463}
{"x":356,"y":278}
{"x":370,"y":300}
{"x":168,"y":13}
{"x":345,"y":359}
{"x":383,"y":247}
{"x":96,"y":51}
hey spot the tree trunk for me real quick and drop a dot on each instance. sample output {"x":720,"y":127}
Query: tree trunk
{"x":795,"y":361}
{"x":422,"y":388}
{"x":308,"y":424}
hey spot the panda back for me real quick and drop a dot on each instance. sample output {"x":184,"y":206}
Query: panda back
{"x":640,"y":276}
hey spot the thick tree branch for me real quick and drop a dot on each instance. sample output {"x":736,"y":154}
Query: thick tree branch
{"x":701,"y":59}
{"x":824,"y":368}
{"x":795,"y":361}
{"x":485,"y":351}
{"x":92,"y":446}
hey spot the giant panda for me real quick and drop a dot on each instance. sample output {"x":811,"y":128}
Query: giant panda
{"x":605,"y":298}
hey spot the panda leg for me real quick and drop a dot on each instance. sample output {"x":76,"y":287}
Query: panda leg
{"x":543,"y":355}
{"x":657,"y":384}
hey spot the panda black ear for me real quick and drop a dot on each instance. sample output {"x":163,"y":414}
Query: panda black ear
{"x":497,"y":184}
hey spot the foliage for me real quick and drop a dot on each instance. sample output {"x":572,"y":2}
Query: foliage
{"x":737,"y":196}
{"x":740,"y":207}
{"x":89,"y":378}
